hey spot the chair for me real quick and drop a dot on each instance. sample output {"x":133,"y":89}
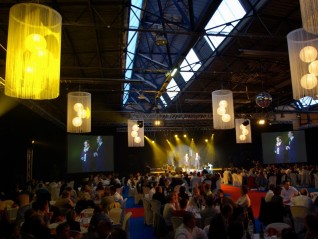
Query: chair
{"x":251,"y":182}
{"x":272,"y":180}
{"x":160,"y":227}
{"x":147,"y":211}
{"x":155,"y":207}
{"x":137,"y":197}
{"x":8,"y":203}
{"x":298,"y":214}
{"x":126,"y":224}
{"x":305,"y":178}
{"x":115,"y":215}
{"x":123,"y":207}
{"x":12,"y":213}
{"x":278,"y":226}
{"x":226,"y":176}
{"x":176,"y":222}
{"x":316,"y":180}
{"x":263,"y":212}
{"x":114,"y":205}
{"x":293,"y":179}
{"x":235,"y":181}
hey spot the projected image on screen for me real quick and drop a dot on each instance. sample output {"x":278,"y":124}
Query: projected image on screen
{"x":90,"y":153}
{"x":284,"y":147}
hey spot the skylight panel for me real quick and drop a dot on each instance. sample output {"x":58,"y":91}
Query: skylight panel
{"x":190,"y":64}
{"x":223,"y":21}
{"x":134,"y":16}
{"x":172,"y":89}
{"x":163,"y":101}
{"x":308,"y":101}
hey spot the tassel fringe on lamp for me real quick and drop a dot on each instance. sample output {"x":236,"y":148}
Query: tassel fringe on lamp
{"x":136,"y":133}
{"x":33,"y":52}
{"x":303,"y":59}
{"x":223,"y":110}
{"x":309,"y":16}
{"x":79,"y":112}
{"x":243,"y":131}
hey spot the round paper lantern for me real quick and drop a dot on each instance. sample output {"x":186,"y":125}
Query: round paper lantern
{"x":223,"y":103}
{"x":135,"y":127}
{"x":308,"y":81}
{"x":134,"y":134}
{"x":313,"y":68}
{"x":242,"y":137}
{"x":221,"y":110}
{"x":263,"y":99}
{"x":308,"y":54}
{"x":137,"y":140}
{"x":77,"y":121}
{"x":78,"y":107}
{"x":226,"y":118}
{"x":245,"y":132}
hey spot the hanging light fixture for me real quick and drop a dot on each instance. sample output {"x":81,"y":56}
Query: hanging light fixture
{"x":243,"y":131}
{"x":223,"y":110}
{"x":135,"y":133}
{"x":302,"y":50}
{"x":263,"y":99}
{"x":309,"y":9}
{"x":79,"y":112}
{"x":33,"y":52}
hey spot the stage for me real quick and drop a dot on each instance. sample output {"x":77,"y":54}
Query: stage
{"x":172,"y":170}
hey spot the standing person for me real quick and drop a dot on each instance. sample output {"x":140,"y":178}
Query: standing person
{"x":99,"y":154}
{"x":87,"y":157}
{"x":186,"y":161}
{"x":292,"y":148}
{"x":279,"y":150}
{"x":197,"y":161}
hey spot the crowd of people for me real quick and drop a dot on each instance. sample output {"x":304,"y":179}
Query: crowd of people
{"x":190,"y":195}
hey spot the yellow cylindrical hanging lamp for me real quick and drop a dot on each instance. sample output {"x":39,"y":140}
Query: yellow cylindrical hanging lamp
{"x":303,"y":56}
{"x":79,"y":112}
{"x":33,"y":52}
{"x":223,"y":109}
{"x":309,"y":16}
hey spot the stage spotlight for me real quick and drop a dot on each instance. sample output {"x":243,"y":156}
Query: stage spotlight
{"x":246,"y":122}
{"x":140,"y":123}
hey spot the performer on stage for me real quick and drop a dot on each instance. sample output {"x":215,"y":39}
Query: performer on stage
{"x":197,"y":161}
{"x":186,"y":161}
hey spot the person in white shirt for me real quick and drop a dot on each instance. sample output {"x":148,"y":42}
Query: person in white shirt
{"x":189,"y":230}
{"x":270,"y":193}
{"x":303,"y":200}
{"x":244,"y":200}
{"x":288,"y":192}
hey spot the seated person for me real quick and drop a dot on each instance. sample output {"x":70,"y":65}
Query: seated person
{"x":183,"y":206}
{"x":209,"y":211}
{"x":188,"y":228}
{"x":159,"y":195}
{"x":71,"y":220}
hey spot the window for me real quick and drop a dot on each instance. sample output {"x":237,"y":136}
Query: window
{"x":134,"y":22}
{"x":189,"y":65}
{"x":172,"y":89}
{"x":223,"y":21}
